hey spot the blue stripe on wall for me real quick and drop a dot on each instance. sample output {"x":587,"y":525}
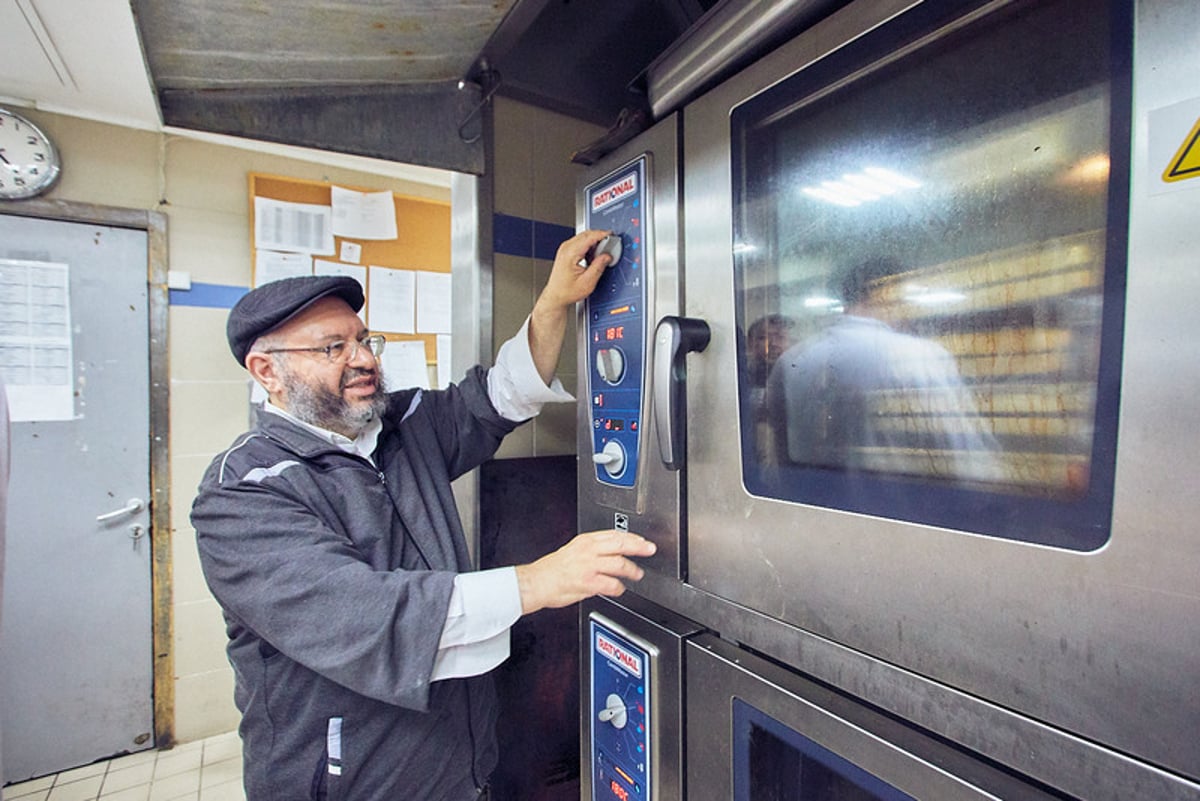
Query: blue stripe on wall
{"x":212,"y":296}
{"x":532,"y":239}
{"x":512,"y":236}
{"x":547,"y":237}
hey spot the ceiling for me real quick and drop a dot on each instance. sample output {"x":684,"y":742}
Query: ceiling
{"x":378,"y":78}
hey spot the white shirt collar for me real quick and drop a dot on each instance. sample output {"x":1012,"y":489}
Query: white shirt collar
{"x":363,"y":445}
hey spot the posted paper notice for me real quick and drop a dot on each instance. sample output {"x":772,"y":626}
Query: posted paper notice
{"x":363,"y":215}
{"x":35,"y":340}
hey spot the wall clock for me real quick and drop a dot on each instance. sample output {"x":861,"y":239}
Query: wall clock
{"x":29,"y":162}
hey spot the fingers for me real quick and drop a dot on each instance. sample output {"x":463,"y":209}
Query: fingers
{"x":610,"y":552}
{"x":593,"y":563}
{"x":571,"y":280}
{"x":574,"y":249}
{"x":625,"y":543}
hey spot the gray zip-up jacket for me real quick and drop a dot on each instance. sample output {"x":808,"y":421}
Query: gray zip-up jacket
{"x":335,"y":578}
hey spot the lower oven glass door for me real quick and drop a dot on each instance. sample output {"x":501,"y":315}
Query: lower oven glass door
{"x":773,"y":761}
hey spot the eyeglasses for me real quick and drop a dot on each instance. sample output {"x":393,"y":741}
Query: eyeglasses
{"x":342,"y":351}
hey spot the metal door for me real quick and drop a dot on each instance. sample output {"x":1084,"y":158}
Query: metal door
{"x":76,"y":657}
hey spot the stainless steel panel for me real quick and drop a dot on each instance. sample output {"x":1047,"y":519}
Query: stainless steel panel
{"x":718,"y":43}
{"x":717,"y":673}
{"x":1099,"y":644}
{"x":653,"y":508}
{"x":471,"y":267}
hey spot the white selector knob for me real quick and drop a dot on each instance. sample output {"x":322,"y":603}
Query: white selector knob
{"x":614,"y":712}
{"x":610,"y":364}
{"x":612,"y":457}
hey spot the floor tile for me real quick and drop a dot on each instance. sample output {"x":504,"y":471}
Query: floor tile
{"x":83,"y":790}
{"x":221,"y":772}
{"x":172,"y":762}
{"x":222,"y":747}
{"x":229,"y":791}
{"x":176,"y":786}
{"x":26,"y":788}
{"x":27,"y":793}
{"x":129,"y":760}
{"x":125,"y":778}
{"x":139,"y":792}
{"x":86,"y":771}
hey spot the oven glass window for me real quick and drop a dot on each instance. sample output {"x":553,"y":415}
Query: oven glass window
{"x":928,"y":246}
{"x":773,"y":762}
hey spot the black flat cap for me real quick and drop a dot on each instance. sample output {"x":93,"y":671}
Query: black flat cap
{"x":264,"y":309}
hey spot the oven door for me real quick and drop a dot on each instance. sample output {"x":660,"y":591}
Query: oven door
{"x":909,"y":232}
{"x":757,"y":732}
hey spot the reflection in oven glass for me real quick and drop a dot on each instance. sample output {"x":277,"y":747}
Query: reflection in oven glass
{"x":921,"y":256}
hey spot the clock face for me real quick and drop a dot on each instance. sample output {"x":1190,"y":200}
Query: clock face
{"x":29,"y":163}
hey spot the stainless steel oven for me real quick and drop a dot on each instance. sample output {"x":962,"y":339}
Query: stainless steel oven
{"x":914,"y":336}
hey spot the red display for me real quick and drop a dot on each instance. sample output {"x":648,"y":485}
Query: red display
{"x":614,"y":332}
{"x":619,"y":791}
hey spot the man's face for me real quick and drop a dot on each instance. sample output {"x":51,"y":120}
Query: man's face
{"x":767,"y":342}
{"x":341,"y":397}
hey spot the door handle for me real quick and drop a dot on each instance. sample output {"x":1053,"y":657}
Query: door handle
{"x":131,"y":507}
{"x":674,"y":339}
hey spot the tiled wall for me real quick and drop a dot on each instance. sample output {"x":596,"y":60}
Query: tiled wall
{"x":535,"y":210}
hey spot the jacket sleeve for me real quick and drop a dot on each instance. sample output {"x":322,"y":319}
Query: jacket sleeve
{"x":281,"y":572}
{"x":467,"y":427}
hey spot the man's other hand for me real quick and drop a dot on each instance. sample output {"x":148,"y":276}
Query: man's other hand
{"x":594,"y":563}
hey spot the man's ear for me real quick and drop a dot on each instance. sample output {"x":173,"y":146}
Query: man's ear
{"x":262,"y":369}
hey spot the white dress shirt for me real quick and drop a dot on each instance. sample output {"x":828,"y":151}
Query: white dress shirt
{"x":485,"y":603}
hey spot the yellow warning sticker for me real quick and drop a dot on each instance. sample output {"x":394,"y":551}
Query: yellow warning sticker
{"x":1186,"y":161}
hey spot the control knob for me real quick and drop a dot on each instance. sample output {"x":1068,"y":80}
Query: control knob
{"x":612,"y":457}
{"x":610,"y":364}
{"x":614,"y":711}
{"x":610,"y":245}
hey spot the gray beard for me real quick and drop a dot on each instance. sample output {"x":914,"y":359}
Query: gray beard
{"x":317,"y":406}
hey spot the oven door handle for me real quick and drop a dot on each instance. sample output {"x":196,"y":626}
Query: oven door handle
{"x":674,"y":339}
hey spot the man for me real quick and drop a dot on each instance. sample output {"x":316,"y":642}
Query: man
{"x":860,"y":395}
{"x":328,"y":534}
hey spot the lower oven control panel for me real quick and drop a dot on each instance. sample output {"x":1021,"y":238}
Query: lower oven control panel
{"x":616,"y":333}
{"x":621,"y":727}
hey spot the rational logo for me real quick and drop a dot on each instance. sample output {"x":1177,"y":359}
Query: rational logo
{"x":632,"y":663}
{"x":625,"y":185}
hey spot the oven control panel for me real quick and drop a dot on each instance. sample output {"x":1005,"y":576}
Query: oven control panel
{"x":620,"y":714}
{"x":616,"y":324}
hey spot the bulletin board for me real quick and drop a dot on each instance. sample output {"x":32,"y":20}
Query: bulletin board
{"x":421,"y":244}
